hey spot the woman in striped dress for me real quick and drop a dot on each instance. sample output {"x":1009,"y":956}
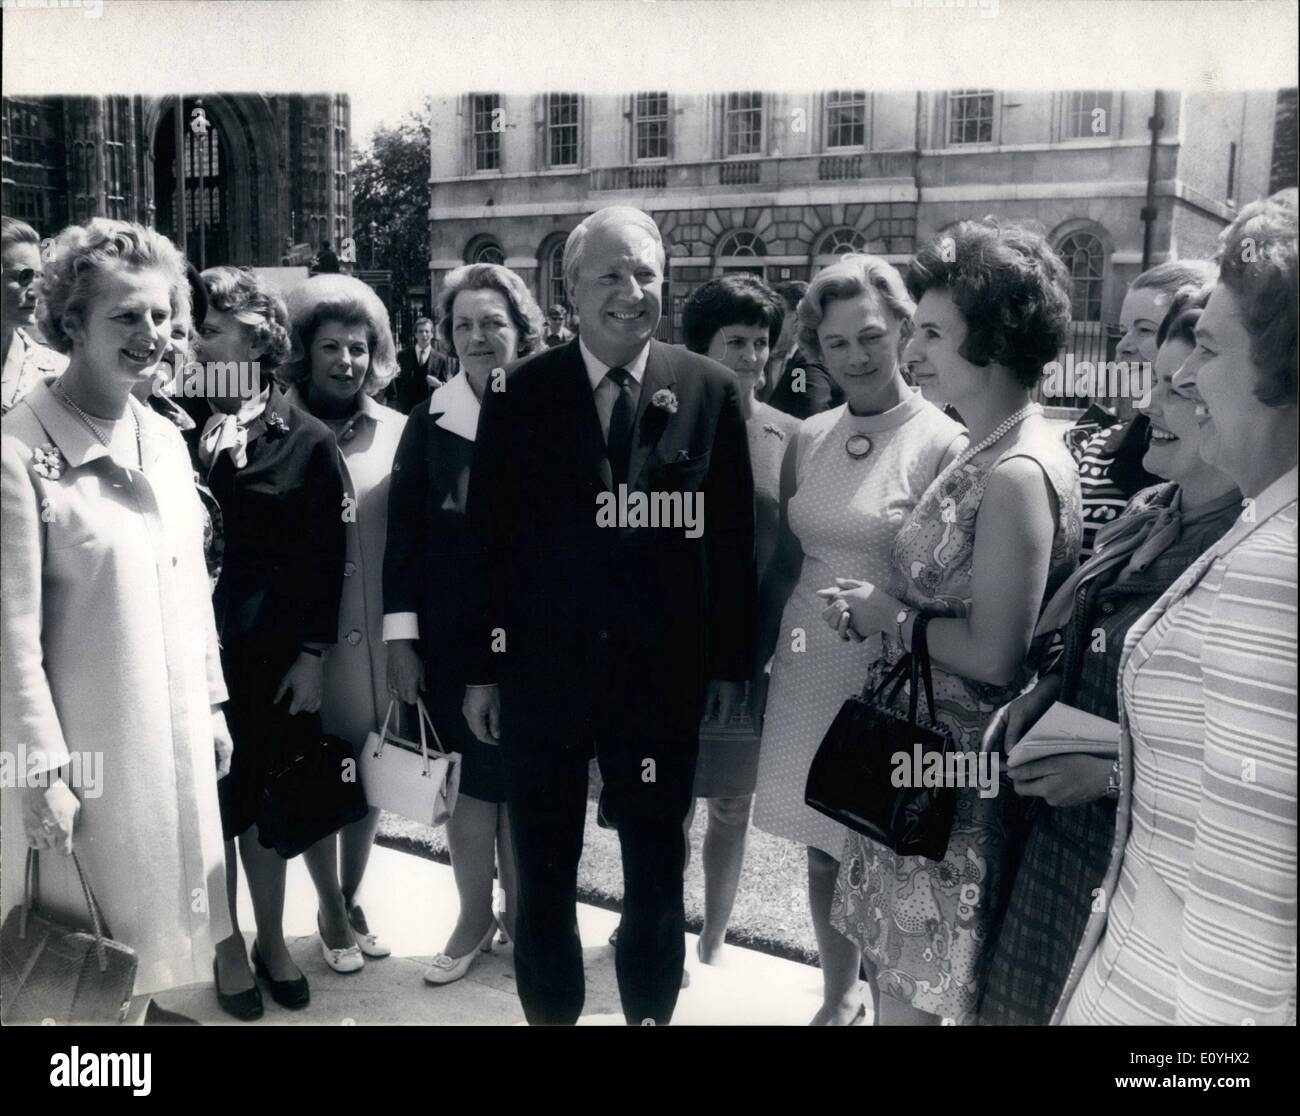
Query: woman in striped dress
{"x":1198,"y":922}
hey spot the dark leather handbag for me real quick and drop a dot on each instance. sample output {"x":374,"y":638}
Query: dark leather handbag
{"x":54,"y":973}
{"x":853,"y":776}
{"x":314,"y":790}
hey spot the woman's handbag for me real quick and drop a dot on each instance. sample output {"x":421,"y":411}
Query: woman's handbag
{"x":52,"y":973}
{"x":408,"y":779}
{"x":314,"y":790}
{"x":869,"y":770}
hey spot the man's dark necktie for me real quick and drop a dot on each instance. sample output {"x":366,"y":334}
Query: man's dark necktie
{"x":621,"y":422}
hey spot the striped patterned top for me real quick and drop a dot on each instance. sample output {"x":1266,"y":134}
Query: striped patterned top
{"x":1202,"y":895}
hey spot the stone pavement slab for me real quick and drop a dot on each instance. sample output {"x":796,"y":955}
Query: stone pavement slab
{"x":411,"y":902}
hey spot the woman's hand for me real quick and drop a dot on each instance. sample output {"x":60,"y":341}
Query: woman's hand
{"x":1068,"y":780}
{"x":405,"y":670}
{"x":49,"y":814}
{"x":221,"y":742}
{"x":1013,"y":720}
{"x":857,"y":609}
{"x":302,"y":682}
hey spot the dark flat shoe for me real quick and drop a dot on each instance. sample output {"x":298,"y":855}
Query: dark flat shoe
{"x":244,"y":1006}
{"x":156,"y":1016}
{"x":291,"y":994}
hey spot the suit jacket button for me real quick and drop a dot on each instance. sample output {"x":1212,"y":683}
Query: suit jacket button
{"x":354,"y":637}
{"x":604,"y":634}
{"x":349,"y":568}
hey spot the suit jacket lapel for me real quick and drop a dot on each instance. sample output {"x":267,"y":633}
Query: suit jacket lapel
{"x":650,"y":421}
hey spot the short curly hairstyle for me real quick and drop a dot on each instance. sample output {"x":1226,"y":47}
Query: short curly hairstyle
{"x":1011,"y":288}
{"x":256,"y":305}
{"x":1257,"y":263}
{"x":80,"y":254}
{"x":525,"y":314}
{"x":853,"y":274}
{"x":347,"y":301}
{"x":730,"y":300}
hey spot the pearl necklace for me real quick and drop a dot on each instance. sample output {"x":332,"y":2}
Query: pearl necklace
{"x":1005,"y":428}
{"x":104,"y":439}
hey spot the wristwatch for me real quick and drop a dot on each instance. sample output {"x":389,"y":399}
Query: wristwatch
{"x":1112,"y":781}
{"x":901,"y":619}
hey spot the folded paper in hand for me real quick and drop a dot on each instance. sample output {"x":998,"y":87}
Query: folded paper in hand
{"x":1065,"y":730}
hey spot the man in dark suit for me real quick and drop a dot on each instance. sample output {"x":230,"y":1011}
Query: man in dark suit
{"x":416,"y":366}
{"x":596,"y":632}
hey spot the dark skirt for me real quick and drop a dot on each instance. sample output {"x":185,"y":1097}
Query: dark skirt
{"x":482,"y":770}
{"x":262,"y":732}
{"x":1064,"y":861}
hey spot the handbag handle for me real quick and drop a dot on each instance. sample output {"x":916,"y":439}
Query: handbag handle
{"x":423,"y":719}
{"x":32,"y":898}
{"x":921,"y":668}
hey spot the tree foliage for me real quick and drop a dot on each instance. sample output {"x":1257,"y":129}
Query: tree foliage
{"x":390,"y":188}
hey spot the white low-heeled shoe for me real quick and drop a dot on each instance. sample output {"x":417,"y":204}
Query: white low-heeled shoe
{"x":448,"y":970}
{"x":370,"y":944}
{"x":348,"y":960}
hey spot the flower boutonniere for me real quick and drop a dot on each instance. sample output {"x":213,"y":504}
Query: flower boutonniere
{"x":665,"y":400}
{"x":48,"y":462}
{"x":276,"y":425}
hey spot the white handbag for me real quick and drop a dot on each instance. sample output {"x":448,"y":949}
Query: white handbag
{"x":407,"y":778}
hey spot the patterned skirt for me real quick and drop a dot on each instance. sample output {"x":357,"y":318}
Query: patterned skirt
{"x":924,"y":924}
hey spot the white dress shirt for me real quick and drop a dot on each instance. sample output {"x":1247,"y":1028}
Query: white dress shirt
{"x":604,"y":389}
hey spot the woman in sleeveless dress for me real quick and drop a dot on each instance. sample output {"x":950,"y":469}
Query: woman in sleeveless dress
{"x":989,"y":541}
{"x":849,"y":478}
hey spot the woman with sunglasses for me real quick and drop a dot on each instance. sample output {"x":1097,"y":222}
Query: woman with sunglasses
{"x":26,"y":360}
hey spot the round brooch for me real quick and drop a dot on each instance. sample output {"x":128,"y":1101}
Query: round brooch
{"x":858,"y":446}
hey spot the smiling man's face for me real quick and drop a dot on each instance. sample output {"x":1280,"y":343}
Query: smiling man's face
{"x":618,"y":291}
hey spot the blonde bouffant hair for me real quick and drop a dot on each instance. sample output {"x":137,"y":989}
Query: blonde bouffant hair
{"x":347,"y":301}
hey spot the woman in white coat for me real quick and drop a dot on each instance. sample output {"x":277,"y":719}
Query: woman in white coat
{"x":344,"y":353}
{"x":111,"y":679}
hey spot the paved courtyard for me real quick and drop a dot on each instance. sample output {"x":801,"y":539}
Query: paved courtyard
{"x":413,"y":902}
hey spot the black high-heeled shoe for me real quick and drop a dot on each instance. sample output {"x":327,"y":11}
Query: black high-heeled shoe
{"x":291,"y":994}
{"x":244,"y":1006}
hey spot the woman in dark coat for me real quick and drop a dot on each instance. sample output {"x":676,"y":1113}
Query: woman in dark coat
{"x":492,"y":320}
{"x":274,"y":471}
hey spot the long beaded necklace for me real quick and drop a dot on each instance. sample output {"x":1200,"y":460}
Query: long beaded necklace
{"x":1003,"y":429}
{"x":104,"y":439}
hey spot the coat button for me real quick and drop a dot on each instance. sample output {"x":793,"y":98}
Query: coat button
{"x":349,"y":568}
{"x":603,"y":634}
{"x":348,"y":434}
{"x":354,"y":637}
{"x":1108,"y":607}
{"x":175,"y":560}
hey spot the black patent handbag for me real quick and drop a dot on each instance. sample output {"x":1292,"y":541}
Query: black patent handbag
{"x":855,"y":775}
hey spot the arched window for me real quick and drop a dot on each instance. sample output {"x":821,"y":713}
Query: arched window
{"x":552,"y":273}
{"x":1085,"y":259}
{"x":741,"y":243}
{"x":840,"y":242}
{"x":485,"y":249}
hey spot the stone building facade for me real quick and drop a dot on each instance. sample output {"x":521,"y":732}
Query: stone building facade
{"x":780,"y":184}
{"x":270,"y":171}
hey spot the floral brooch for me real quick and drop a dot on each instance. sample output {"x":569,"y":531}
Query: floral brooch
{"x":48,"y":462}
{"x":276,"y":424}
{"x":768,"y":428}
{"x":665,"y":400}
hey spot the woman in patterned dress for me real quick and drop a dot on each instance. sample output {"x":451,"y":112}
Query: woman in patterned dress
{"x":1199,"y":922}
{"x":989,"y":541}
{"x":849,"y":478}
